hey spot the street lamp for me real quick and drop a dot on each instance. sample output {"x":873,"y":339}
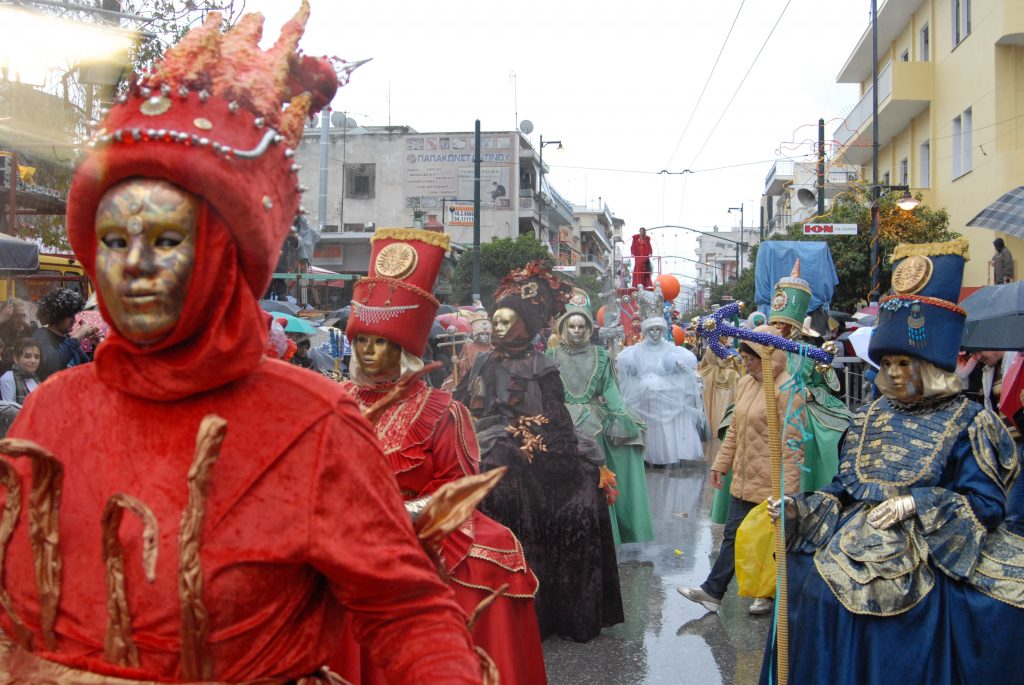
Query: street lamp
{"x":739,"y":255}
{"x":907,"y":202}
{"x":540,"y":184}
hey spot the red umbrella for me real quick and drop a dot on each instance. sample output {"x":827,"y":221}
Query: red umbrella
{"x":461,"y":325}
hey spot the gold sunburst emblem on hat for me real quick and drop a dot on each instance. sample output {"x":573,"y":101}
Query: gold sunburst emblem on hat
{"x":780,"y":300}
{"x":397,"y":260}
{"x":911,"y":275}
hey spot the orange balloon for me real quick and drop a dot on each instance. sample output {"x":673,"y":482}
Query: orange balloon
{"x":678,"y":334}
{"x":669,"y":286}
{"x":600,"y":316}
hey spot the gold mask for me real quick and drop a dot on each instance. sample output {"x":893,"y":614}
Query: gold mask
{"x":145,"y":251}
{"x":902,"y":382}
{"x":379,"y":358}
{"x":502,"y":321}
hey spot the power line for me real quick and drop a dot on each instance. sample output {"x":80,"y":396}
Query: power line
{"x":685,"y":172}
{"x":742,"y":81}
{"x":706,"y":83}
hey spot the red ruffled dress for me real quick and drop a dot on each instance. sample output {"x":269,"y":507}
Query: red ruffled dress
{"x":428,"y":440}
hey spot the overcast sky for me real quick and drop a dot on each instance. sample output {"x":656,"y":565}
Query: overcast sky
{"x":616,"y":82}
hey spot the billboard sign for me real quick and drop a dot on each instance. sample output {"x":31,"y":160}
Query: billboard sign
{"x":830,"y":229}
{"x":460,"y":214}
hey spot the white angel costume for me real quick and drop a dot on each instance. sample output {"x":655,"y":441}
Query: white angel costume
{"x":659,"y":385}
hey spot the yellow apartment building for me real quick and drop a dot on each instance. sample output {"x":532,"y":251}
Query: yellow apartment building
{"x":950,"y":110}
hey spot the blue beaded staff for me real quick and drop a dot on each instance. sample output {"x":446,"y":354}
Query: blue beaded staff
{"x":713,"y":328}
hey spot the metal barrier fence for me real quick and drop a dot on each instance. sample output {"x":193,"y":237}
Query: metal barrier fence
{"x":856,"y":388}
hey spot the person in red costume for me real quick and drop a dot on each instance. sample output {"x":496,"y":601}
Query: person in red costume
{"x":428,"y":440}
{"x":260,"y":508}
{"x":641,"y":251}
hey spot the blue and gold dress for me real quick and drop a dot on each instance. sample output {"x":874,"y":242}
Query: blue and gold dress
{"x":909,"y":604}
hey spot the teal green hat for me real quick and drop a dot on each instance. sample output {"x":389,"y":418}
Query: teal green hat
{"x":791,"y":299}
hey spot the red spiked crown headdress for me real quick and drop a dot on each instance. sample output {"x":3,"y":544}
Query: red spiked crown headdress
{"x":219,"y":117}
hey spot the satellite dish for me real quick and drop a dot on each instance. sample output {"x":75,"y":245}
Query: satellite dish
{"x":338,"y":119}
{"x":313,"y":121}
{"x":526,"y":126}
{"x":350,"y":123}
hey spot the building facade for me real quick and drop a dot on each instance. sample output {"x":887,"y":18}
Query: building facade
{"x":718,"y":251}
{"x":363,"y":177}
{"x":950,"y":110}
{"x":596,"y":230}
{"x":791,"y":191}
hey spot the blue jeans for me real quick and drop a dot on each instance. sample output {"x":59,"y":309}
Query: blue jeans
{"x":725,"y":565}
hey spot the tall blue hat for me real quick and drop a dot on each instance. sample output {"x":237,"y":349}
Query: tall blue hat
{"x":921,"y":318}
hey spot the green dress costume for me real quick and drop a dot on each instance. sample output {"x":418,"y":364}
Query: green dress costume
{"x":595,"y":404}
{"x":826,"y":417}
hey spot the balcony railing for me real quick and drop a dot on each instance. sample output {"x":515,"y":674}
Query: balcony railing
{"x":861,"y":112}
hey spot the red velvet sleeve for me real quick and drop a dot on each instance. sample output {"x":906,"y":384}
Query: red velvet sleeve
{"x":455,"y":450}
{"x":360,"y":538}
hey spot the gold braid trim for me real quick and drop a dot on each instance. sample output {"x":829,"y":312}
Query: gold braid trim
{"x":196,"y":662}
{"x":960,"y":246}
{"x":441,"y":240}
{"x":43,"y":529}
{"x":118,"y":646}
{"x":12,"y":510}
{"x":372,"y":281}
{"x":18,"y":665}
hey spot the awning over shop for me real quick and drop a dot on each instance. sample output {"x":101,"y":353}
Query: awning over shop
{"x":17,"y":254}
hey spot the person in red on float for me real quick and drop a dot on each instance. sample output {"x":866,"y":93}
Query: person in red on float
{"x":258,"y":509}
{"x":641,"y":251}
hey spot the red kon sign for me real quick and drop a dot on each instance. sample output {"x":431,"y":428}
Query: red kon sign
{"x":830,"y":229}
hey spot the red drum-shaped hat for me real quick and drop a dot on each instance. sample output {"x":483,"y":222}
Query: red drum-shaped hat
{"x":395,"y":301}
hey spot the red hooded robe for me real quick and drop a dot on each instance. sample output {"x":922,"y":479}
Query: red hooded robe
{"x":303,"y":520}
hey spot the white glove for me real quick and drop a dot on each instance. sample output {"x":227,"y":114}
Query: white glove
{"x":775,"y":508}
{"x":892,"y":511}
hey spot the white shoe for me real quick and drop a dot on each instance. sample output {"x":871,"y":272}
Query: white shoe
{"x":697,"y":594}
{"x":761,"y":606}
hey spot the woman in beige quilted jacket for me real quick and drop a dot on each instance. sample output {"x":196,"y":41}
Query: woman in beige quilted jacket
{"x":745,"y":453}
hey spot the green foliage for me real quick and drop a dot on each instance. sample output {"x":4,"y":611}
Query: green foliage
{"x":171,"y":20}
{"x":852,"y":254}
{"x":497,"y":258}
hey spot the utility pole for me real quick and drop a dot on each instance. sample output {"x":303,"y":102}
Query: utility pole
{"x":476,"y":214}
{"x":821,"y":167}
{"x":873,"y":294}
{"x":739,"y":245}
{"x":325,"y":144}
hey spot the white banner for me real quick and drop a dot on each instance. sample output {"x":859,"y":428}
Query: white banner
{"x":830,"y":229}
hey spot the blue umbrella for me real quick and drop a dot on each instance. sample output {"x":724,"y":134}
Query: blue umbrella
{"x":295,"y":324}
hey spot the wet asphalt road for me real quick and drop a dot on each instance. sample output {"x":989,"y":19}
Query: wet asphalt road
{"x":666,"y":638}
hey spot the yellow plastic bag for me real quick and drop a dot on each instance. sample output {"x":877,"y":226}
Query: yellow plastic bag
{"x":755,"y":554}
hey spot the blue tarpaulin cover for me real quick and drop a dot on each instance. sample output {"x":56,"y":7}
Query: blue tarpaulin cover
{"x":775,"y":259}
